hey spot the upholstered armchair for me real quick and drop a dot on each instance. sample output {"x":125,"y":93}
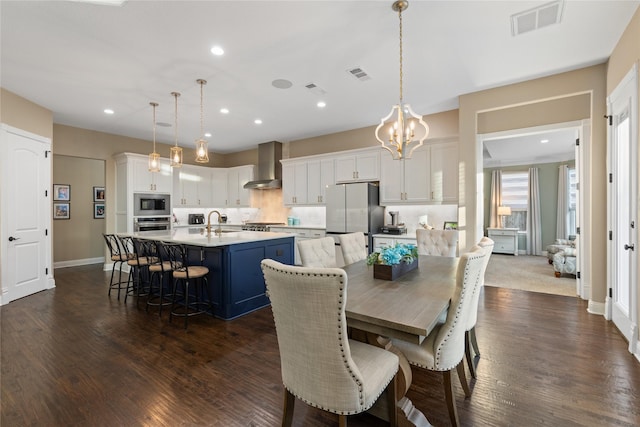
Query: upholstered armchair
{"x":557,"y":246}
{"x":320,"y":365}
{"x":565,"y":262}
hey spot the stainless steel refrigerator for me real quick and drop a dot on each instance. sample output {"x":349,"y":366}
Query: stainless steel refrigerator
{"x":352,"y":208}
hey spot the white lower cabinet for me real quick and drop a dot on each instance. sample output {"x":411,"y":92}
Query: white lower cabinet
{"x":382,"y":241}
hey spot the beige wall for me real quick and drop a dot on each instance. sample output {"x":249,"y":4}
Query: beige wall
{"x":627,"y":53}
{"x":79,"y":237}
{"x":23,"y":114}
{"x":590,"y":81}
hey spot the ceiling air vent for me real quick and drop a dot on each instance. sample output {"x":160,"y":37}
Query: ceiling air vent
{"x":359,"y":74}
{"x":536,"y":18}
{"x":315,"y":89}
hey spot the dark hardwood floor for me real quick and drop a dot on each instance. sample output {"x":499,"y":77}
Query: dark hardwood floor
{"x":74,"y":357}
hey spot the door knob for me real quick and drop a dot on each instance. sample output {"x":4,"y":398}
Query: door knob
{"x":631,"y":246}
{"x":11,"y":238}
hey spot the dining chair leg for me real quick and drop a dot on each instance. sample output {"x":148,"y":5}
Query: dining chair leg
{"x":467,"y":353}
{"x":342,"y":421}
{"x":450,"y":399}
{"x":474,"y":342}
{"x":463,"y":379}
{"x":287,"y":410}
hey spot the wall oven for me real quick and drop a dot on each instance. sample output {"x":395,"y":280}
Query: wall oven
{"x":151,"y":224}
{"x":151,"y":204}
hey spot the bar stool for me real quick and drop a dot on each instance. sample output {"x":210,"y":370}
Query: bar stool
{"x":140,"y":255}
{"x":192,"y":302}
{"x":160,"y":271}
{"x":118,"y":258}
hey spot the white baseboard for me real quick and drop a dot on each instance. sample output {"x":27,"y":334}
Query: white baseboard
{"x":596,"y":307}
{"x":78,"y":262}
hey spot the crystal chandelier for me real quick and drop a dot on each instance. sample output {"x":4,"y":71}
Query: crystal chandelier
{"x":154,"y":158}
{"x":202,"y":154}
{"x":176,"y":152}
{"x":402,"y":135}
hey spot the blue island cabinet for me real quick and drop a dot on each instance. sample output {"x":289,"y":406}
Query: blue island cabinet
{"x":236,"y":282}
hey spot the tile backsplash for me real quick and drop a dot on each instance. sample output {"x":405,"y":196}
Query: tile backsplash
{"x":272,"y":210}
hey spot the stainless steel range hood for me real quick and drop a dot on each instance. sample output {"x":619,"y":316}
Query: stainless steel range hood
{"x":269,"y":167}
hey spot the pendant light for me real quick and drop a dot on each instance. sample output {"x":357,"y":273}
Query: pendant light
{"x":202,"y":152}
{"x":176,"y":152}
{"x":403,"y":137}
{"x":154,"y":158}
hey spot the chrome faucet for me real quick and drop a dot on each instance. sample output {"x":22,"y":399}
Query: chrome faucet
{"x":218,"y":231}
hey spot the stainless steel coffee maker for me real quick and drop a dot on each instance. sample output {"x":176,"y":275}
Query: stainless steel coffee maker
{"x":394,"y":217}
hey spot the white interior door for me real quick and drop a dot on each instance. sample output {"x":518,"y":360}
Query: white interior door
{"x":26,"y":213}
{"x":622,"y":147}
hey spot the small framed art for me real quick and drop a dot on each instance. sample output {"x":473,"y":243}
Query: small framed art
{"x":61,"y":192}
{"x":98,"y":210}
{"x":98,"y":194}
{"x":450,"y":225}
{"x":61,"y":211}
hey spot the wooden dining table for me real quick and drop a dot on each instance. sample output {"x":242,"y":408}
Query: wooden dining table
{"x":407,"y":308}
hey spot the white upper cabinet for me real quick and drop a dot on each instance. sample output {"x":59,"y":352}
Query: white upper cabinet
{"x":405,"y":181}
{"x":358,"y":167}
{"x":237,"y":177}
{"x":320,"y":174}
{"x":294,"y":179}
{"x":218,"y":187}
{"x":444,"y":172}
{"x":144,"y":181}
{"x":192,"y":186}
{"x":429,"y":176}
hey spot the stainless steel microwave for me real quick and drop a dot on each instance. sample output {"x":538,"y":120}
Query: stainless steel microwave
{"x":151,"y":204}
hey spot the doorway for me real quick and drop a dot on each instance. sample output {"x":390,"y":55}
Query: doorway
{"x":622,"y":148}
{"x":25,"y":227}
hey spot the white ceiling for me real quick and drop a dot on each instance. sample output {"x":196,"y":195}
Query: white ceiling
{"x":77,"y":59}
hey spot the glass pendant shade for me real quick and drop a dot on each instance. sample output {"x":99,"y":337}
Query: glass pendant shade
{"x":175,"y":156}
{"x":154,"y":158}
{"x":202,"y":152}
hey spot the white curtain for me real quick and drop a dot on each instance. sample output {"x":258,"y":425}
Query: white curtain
{"x":496,"y":199}
{"x":563,"y":202}
{"x":534,"y":223}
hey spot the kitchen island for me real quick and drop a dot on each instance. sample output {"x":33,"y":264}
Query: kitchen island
{"x":236,"y":283}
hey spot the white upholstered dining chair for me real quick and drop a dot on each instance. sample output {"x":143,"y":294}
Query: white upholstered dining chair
{"x":437,"y":242}
{"x":318,"y":252}
{"x":320,"y":364}
{"x":353,"y":246}
{"x":443,"y":349}
{"x":470,"y":331}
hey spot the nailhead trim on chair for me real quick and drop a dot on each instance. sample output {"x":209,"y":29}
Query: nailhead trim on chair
{"x":340,"y":343}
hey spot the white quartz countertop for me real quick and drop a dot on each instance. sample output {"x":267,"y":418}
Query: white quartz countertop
{"x":193,"y":236}
{"x":396,"y":236}
{"x":298,"y":227}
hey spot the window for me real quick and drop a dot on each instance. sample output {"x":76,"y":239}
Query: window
{"x":515,"y":194}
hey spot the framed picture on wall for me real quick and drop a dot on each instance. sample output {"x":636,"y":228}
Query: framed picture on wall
{"x":61,"y":192}
{"x":98,"y":210}
{"x":98,"y":194}
{"x":450,"y":225}
{"x":61,"y":211}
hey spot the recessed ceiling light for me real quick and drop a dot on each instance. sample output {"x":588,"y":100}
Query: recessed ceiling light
{"x":208,"y":134}
{"x":217,"y":51}
{"x":224,"y":110}
{"x":321,"y":104}
{"x":544,"y":141}
{"x":257,"y":121}
{"x":108,"y":111}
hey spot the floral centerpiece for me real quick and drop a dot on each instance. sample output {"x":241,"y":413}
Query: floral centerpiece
{"x":393,"y":261}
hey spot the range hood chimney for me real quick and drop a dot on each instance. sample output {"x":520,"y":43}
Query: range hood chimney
{"x":269,"y":167}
